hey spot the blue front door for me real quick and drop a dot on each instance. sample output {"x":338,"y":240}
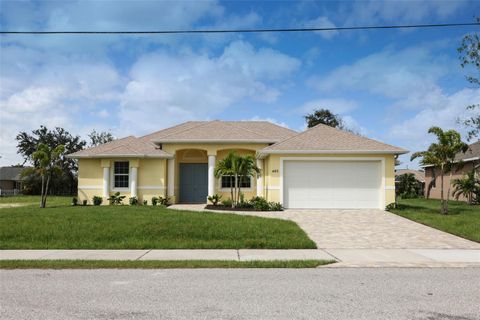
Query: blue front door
{"x":193,"y":182}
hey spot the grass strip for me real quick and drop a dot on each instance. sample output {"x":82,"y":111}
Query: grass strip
{"x":157,"y":264}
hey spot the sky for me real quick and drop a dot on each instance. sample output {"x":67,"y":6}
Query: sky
{"x":389,"y":85}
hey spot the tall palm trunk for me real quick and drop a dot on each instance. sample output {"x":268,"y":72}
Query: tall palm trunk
{"x":444,"y":209}
{"x":231,"y":189}
{"x":42,"y":205}
{"x":46,"y":193}
{"x":239,"y":188}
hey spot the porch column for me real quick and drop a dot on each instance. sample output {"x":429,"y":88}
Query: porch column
{"x":260,"y":178}
{"x":171,"y":178}
{"x":133,"y":183}
{"x":106,"y":178}
{"x":211,"y":175}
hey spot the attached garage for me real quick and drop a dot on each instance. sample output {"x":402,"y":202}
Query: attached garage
{"x":328,"y":183}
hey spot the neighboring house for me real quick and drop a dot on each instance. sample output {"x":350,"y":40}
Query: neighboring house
{"x":419,"y":175}
{"x":468,"y":161}
{"x":322,"y":167}
{"x":11,"y":180}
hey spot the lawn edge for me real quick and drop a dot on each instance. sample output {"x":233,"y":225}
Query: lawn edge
{"x":159,"y":264}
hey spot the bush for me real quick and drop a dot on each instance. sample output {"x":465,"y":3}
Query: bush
{"x":84,"y":202}
{"x":227,"y":202}
{"x":165,"y":201}
{"x":74,"y":201}
{"x":275,"y":206}
{"x":215,"y":199}
{"x":245,"y":205}
{"x":390,"y":206}
{"x":97,"y":200}
{"x":133,"y":201}
{"x":145,"y":202}
{"x":116,"y":199}
{"x":259,"y":204}
{"x":154,"y":201}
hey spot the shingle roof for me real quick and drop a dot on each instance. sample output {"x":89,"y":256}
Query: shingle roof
{"x":125,"y":147}
{"x":419,"y":175}
{"x":222,"y":131}
{"x":472,"y":152}
{"x":325,"y":139}
{"x":11,"y":173}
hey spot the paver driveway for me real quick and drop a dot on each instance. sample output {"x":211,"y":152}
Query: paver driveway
{"x":363,"y":229}
{"x":371,"y":229}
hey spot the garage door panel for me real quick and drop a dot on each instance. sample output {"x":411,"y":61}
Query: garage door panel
{"x":331,"y":184}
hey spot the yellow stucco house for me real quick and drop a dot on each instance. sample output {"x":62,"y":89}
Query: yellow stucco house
{"x":321,"y":167}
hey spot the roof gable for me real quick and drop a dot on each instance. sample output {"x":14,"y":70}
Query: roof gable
{"x":324,"y":139}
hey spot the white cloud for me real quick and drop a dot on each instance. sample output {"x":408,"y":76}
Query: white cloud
{"x":390,"y":73}
{"x":399,"y":12}
{"x":167,"y":88}
{"x":322,"y":22}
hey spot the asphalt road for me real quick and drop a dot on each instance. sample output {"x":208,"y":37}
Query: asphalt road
{"x":330,"y":293}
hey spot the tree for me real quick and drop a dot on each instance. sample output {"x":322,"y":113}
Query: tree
{"x":47,"y":162}
{"x":27,"y":144}
{"x":469,"y":54}
{"x":442,"y":155}
{"x":225,"y":167}
{"x":324,"y":116}
{"x":407,"y":186}
{"x":98,"y":138}
{"x":246,"y":167}
{"x":236,"y":167}
{"x":468,"y":186}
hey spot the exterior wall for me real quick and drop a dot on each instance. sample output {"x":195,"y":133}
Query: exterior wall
{"x":273,"y":180}
{"x":433,"y":186}
{"x":198,"y":153}
{"x":150,"y":180}
{"x":7,"y":185}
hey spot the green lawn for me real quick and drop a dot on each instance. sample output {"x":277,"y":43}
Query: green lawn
{"x":141,"y":227}
{"x":185,"y":264}
{"x":35,"y":200}
{"x":463,"y":220}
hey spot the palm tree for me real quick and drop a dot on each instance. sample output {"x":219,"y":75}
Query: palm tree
{"x":407,"y":185}
{"x":236,"y":167}
{"x":225,"y":167}
{"x":47,"y":164}
{"x":442,"y":155}
{"x":247,"y":167}
{"x":466,"y":186}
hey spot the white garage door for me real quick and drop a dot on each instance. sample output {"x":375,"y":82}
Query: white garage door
{"x":331,"y":184}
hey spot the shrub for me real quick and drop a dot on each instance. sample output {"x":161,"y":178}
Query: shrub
{"x":165,"y":201}
{"x":74,"y":201}
{"x":145,"y":202}
{"x":259,"y":204}
{"x":133,"y":201}
{"x":97,"y":200}
{"x":275,"y":206}
{"x":154,"y":201}
{"x":116,"y":198}
{"x":215,"y":199}
{"x":227,"y":202}
{"x":245,"y":205}
{"x":390,"y":206}
{"x":84,"y":202}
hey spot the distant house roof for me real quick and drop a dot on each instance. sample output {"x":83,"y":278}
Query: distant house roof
{"x":473,"y":153}
{"x":419,"y":175}
{"x":325,"y":139}
{"x":222,"y":131}
{"x":126,"y":147}
{"x":11,"y":173}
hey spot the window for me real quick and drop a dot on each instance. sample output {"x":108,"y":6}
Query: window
{"x":120,"y":174}
{"x":229,"y":181}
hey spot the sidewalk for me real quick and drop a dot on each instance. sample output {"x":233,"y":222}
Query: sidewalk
{"x":344,"y":257}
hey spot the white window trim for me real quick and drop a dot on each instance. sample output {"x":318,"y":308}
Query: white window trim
{"x":112,"y":177}
{"x":252,"y":187}
{"x":383,"y":189}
